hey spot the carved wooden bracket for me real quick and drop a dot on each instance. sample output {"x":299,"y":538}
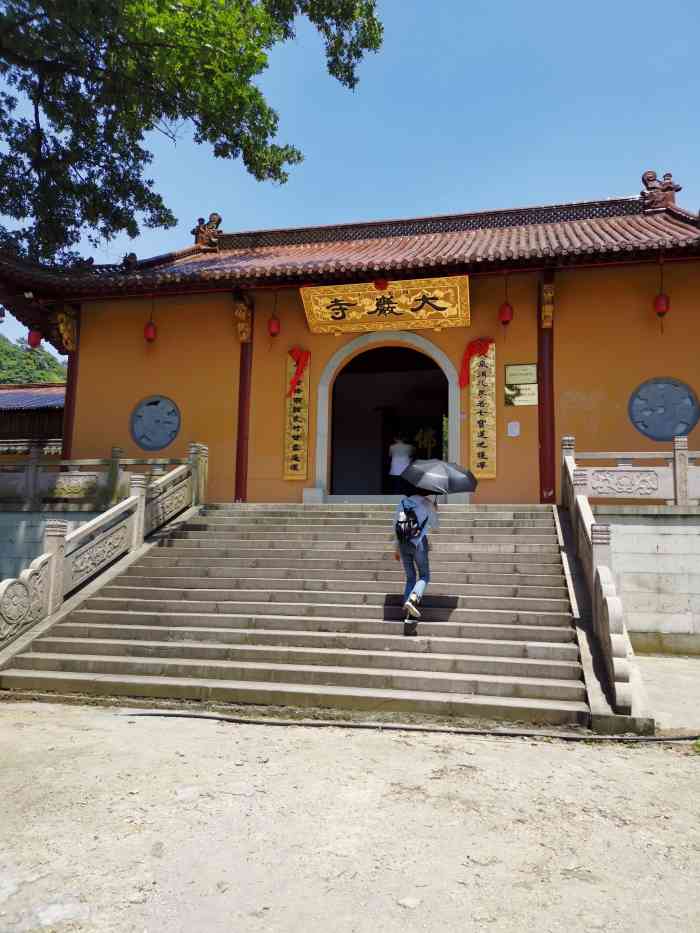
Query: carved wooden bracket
{"x":243,"y":316}
{"x":67,"y":326}
{"x":547,"y":305}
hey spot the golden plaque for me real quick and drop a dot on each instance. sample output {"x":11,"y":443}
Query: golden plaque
{"x":414,"y":304}
{"x":482,"y":414}
{"x":296,"y":425}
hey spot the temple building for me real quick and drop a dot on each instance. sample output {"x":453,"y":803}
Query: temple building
{"x":298,"y":355}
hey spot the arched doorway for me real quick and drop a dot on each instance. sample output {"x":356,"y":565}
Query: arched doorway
{"x":320,"y":489}
{"x":377,"y":395}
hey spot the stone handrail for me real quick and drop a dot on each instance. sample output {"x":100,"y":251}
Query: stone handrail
{"x":71,"y":560}
{"x":592,"y":545}
{"x":670,"y":476}
{"x":49,"y":447}
{"x":97,"y":482}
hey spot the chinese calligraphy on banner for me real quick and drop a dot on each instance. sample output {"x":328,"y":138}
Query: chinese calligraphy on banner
{"x":482,"y":415}
{"x":296,"y":425}
{"x":416,"y":304}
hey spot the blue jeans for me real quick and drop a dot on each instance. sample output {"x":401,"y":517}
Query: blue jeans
{"x":415,"y":556}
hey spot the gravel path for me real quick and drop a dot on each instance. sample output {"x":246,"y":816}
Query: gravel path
{"x":112,"y":822}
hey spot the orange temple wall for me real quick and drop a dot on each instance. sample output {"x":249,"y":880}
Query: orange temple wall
{"x":606,"y":341}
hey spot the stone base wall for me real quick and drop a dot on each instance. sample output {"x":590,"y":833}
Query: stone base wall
{"x":22,"y":536}
{"x":656,"y":563}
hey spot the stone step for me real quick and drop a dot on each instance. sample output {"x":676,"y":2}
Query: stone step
{"x":354,"y":524}
{"x":306,"y":597}
{"x":391,"y":610}
{"x":465,"y":569}
{"x":264,"y":581}
{"x":388,"y":570}
{"x":318,"y":696}
{"x":362,"y":538}
{"x":333,"y":657}
{"x":355,"y":550}
{"x":473,"y":624}
{"x":307,"y":674}
{"x":371,"y":510}
{"x":370,"y":505}
{"x":353,"y":641}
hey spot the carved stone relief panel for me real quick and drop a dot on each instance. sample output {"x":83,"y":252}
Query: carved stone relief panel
{"x":636,"y":483}
{"x":664,"y":408}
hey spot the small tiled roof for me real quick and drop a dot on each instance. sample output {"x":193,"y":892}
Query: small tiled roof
{"x":23,"y":398}
{"x":556,"y":234}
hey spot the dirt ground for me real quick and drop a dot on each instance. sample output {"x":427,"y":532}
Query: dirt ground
{"x":113,"y":822}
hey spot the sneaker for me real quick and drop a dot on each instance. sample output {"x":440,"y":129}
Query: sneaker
{"x":411,"y":606}
{"x":410,"y":627}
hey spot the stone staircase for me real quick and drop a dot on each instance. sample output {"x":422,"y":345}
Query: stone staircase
{"x":301,"y":606}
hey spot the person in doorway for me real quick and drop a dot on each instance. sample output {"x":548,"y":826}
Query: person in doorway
{"x":415,"y":516}
{"x":401,"y":455}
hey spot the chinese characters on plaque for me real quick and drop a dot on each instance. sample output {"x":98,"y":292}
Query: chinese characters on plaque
{"x":415,"y":304}
{"x":520,"y":387}
{"x":296,"y":425}
{"x":482,"y":414}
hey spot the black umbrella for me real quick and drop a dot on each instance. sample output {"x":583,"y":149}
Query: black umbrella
{"x":438,"y":476}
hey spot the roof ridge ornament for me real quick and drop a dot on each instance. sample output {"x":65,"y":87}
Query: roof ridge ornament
{"x":658,"y":194}
{"x":206,"y":234}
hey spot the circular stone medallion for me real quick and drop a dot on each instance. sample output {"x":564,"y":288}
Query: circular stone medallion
{"x":155,"y":422}
{"x":662,"y":409}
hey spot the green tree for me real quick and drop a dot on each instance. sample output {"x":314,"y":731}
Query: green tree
{"x":19,"y":364}
{"x":83,"y":81}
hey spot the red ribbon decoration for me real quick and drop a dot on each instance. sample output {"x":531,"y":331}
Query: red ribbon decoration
{"x":301,"y":358}
{"x":478,"y":347}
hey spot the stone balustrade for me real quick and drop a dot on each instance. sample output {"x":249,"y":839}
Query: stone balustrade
{"x":23,"y":446}
{"x":593,"y":549}
{"x":672,"y":477}
{"x":35,"y":482}
{"x":71,"y":560}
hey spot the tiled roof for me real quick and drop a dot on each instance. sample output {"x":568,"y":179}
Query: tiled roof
{"x":564,"y":233}
{"x":23,"y":398}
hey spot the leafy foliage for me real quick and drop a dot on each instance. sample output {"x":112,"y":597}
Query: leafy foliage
{"x":19,"y":364}
{"x":84,"y":81}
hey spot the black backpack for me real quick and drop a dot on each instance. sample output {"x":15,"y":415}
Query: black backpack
{"x":408,"y":528}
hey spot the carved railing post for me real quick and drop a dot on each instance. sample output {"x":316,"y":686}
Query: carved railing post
{"x":680,"y":470}
{"x":193,"y":457}
{"x":601,"y":547}
{"x":203,"y":472}
{"x":568,"y":447}
{"x":55,"y":545}
{"x":113,"y":476}
{"x":31,"y":475}
{"x":137,"y":487}
{"x":199,"y":460}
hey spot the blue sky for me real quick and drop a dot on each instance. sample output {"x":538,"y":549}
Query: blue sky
{"x":470,"y":105}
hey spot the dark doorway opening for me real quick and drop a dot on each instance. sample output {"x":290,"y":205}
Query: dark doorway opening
{"x":379,"y":394}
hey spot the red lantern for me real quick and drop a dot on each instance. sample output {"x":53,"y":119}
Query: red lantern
{"x":34,"y":338}
{"x":149,"y":332}
{"x":505,"y":313}
{"x":381,"y":284}
{"x":662,"y":305}
{"x":274,"y":326}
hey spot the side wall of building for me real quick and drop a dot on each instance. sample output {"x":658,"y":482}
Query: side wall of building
{"x":656,"y":562}
{"x":608,"y":341}
{"x":194,"y":361}
{"x":22,"y":536}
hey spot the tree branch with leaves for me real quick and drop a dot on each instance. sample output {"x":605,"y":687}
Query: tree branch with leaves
{"x":82,"y":83}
